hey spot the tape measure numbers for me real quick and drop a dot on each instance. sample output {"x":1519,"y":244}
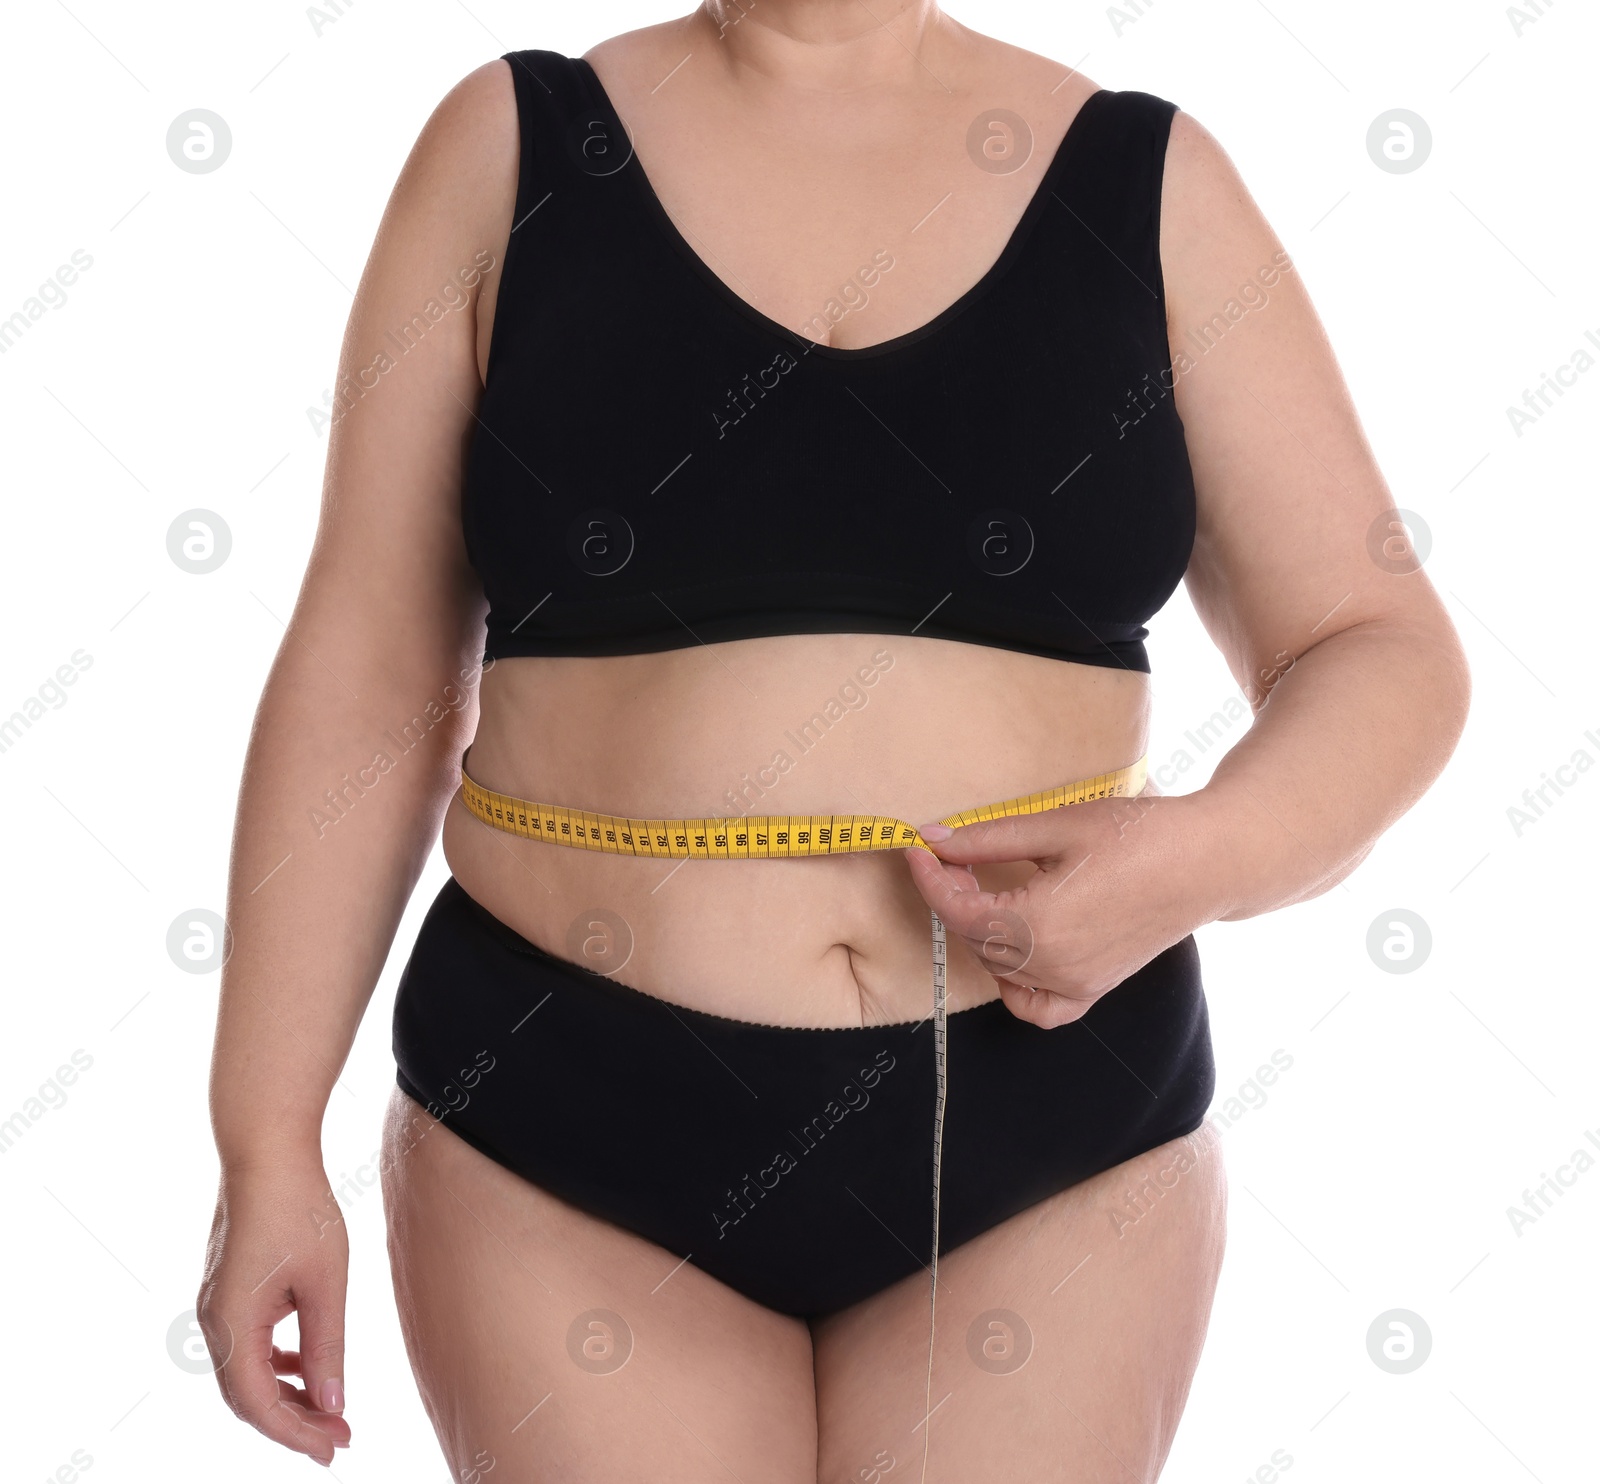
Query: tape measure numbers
{"x":763,"y":836}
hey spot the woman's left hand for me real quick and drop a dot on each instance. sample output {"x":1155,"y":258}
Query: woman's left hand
{"x":1117,"y":882}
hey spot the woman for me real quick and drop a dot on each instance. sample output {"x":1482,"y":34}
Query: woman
{"x":839,"y":399}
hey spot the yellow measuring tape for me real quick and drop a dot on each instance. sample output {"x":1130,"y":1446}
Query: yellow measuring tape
{"x":786,"y":837}
{"x":763,"y":836}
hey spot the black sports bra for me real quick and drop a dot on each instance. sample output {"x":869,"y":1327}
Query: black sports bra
{"x":657,"y":464}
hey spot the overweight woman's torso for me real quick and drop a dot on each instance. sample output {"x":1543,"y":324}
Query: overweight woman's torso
{"x":784,"y":207}
{"x":783,"y":725}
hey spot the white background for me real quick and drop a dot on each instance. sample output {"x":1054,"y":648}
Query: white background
{"x":1378,"y":1171}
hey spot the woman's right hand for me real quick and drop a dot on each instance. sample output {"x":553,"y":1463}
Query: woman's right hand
{"x":278,"y":1246}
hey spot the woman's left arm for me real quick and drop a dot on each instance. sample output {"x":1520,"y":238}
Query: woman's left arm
{"x":1301,"y":572}
{"x":1304,"y":579}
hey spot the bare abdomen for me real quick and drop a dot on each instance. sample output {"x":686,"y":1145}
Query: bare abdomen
{"x":840,"y":723}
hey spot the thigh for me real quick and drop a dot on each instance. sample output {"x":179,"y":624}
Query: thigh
{"x":552,"y":1346}
{"x":1066,"y":1337}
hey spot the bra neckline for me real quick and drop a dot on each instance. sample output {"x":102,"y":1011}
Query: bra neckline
{"x":1008,"y":255}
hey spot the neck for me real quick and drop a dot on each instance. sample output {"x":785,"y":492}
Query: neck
{"x":826,"y":46}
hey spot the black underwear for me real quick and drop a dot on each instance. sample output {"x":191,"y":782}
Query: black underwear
{"x":657,"y":464}
{"x":792,"y":1164}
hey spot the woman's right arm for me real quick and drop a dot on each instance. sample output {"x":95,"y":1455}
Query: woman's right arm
{"x":352,"y":759}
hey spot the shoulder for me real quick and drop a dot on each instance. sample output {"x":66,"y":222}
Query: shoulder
{"x":998,"y":73}
{"x":455,"y":193}
{"x":479,"y":112}
{"x":1214,"y":236}
{"x":642,"y":56}
{"x":467,"y":150}
{"x":1200,"y":175}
